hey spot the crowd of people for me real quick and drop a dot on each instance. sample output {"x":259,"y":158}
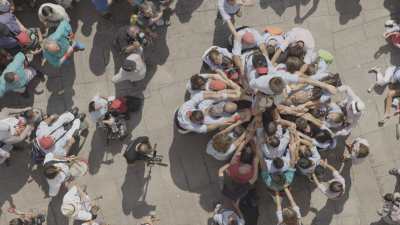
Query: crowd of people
{"x":276,"y":109}
{"x":54,"y":136}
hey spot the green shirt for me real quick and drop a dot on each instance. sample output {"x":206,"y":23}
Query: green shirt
{"x":61,"y":36}
{"x":16,"y":66}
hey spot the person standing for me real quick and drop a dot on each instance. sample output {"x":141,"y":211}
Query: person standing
{"x":133,"y":69}
{"x":60,"y":45}
{"x":52,"y":14}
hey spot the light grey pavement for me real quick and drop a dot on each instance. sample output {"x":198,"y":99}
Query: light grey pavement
{"x":184,"y":192}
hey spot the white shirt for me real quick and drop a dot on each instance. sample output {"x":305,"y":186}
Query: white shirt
{"x":271,"y":153}
{"x":7,"y":128}
{"x":208,"y":61}
{"x":268,"y":37}
{"x":226,"y":9}
{"x":102,"y":104}
{"x":262,"y":83}
{"x":136,"y":75}
{"x":183,"y":115}
{"x":356,"y":148}
{"x":351,"y":117}
{"x":56,"y":182}
{"x":325,"y":189}
{"x":221,"y":156}
{"x":301,"y":34}
{"x":82,"y":206}
{"x":286,"y":164}
{"x":238,"y":46}
{"x":223,"y":217}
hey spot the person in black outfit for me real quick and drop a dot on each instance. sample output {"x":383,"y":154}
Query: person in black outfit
{"x":138,"y":149}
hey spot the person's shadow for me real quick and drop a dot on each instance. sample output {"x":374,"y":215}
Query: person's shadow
{"x":185,"y":8}
{"x":301,"y":19}
{"x":134,"y":191}
{"x":348,"y":10}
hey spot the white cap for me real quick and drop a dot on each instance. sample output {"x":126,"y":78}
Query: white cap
{"x":68,"y":209}
{"x":357,"y":106}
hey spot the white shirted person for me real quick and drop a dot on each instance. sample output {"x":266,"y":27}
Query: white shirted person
{"x":77,"y":205}
{"x":299,"y":35}
{"x":214,"y":57}
{"x":56,"y":172}
{"x":133,"y":69}
{"x":335,"y":188}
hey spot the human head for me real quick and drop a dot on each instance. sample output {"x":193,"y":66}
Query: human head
{"x":238,"y":130}
{"x":335,"y":117}
{"x":336,"y":187}
{"x":260,"y":63}
{"x":278,"y":163}
{"x":273,"y":141}
{"x":363,"y":151}
{"x":47,"y":11}
{"x":304,"y":151}
{"x":46,"y":142}
{"x":50,"y":45}
{"x":215,"y":57}
{"x":51,"y":171}
{"x":197,"y":82}
{"x":17,"y":221}
{"x":389,"y":197}
{"x":145,"y":147}
{"x":302,"y":124}
{"x":5,"y":6}
{"x":129,"y":65}
{"x":311,"y":70}
{"x":271,"y":49}
{"x":333,"y":79}
{"x":271,"y":128}
{"x":296,"y":50}
{"x":148,"y":8}
{"x":133,"y":31}
{"x":197,"y":117}
{"x":277,"y":85}
{"x":278,"y":178}
{"x":304,"y":163}
{"x":10,"y":77}
{"x":316,"y":93}
{"x":231,"y":2}
{"x":92,"y":106}
{"x":221,"y":142}
{"x":247,"y":155}
{"x":289,"y":216}
{"x":230,"y":107}
{"x":248,"y":38}
{"x":323,"y":136}
{"x":293,"y":64}
{"x":232,"y":219}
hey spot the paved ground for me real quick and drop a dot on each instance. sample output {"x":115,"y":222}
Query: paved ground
{"x":183,"y":193}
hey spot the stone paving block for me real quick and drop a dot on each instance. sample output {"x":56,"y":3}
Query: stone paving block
{"x":343,"y":39}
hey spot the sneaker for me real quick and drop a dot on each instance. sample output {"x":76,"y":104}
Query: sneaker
{"x":78,"y":46}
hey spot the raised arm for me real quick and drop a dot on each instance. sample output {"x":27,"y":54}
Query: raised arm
{"x":320,"y":84}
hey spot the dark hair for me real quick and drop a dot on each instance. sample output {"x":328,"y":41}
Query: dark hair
{"x":317,"y":112}
{"x":333,"y":79}
{"x":238,"y":130}
{"x":388,"y":197}
{"x":9,"y":77}
{"x":197,"y":116}
{"x":274,"y":141}
{"x":17,"y":221}
{"x":311,"y":69}
{"x":278,"y":163}
{"x":47,"y":11}
{"x":301,"y":123}
{"x":272,"y":127}
{"x":277,"y":85}
{"x":296,"y":51}
{"x":293,"y":64}
{"x":319,"y":171}
{"x":271,"y":49}
{"x":92,"y":107}
{"x":50,"y":171}
{"x":316,"y":93}
{"x":304,"y":163}
{"x":247,"y":156}
{"x":363,"y":151}
{"x":323,"y":136}
{"x":336,"y":186}
{"x":279,"y":179}
{"x":197,"y":82}
{"x":233,"y":222}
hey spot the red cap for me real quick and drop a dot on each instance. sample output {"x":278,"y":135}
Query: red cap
{"x":217,"y":85}
{"x":262,"y":70}
{"x":23,"y":38}
{"x":46,"y":142}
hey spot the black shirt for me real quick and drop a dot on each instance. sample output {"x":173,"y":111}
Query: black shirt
{"x":131,"y":154}
{"x":123,"y":39}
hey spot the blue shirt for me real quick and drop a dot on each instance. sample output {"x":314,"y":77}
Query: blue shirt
{"x":100,"y":5}
{"x":16,"y":66}
{"x":10,"y":21}
{"x":61,"y":36}
{"x":267,"y":177}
